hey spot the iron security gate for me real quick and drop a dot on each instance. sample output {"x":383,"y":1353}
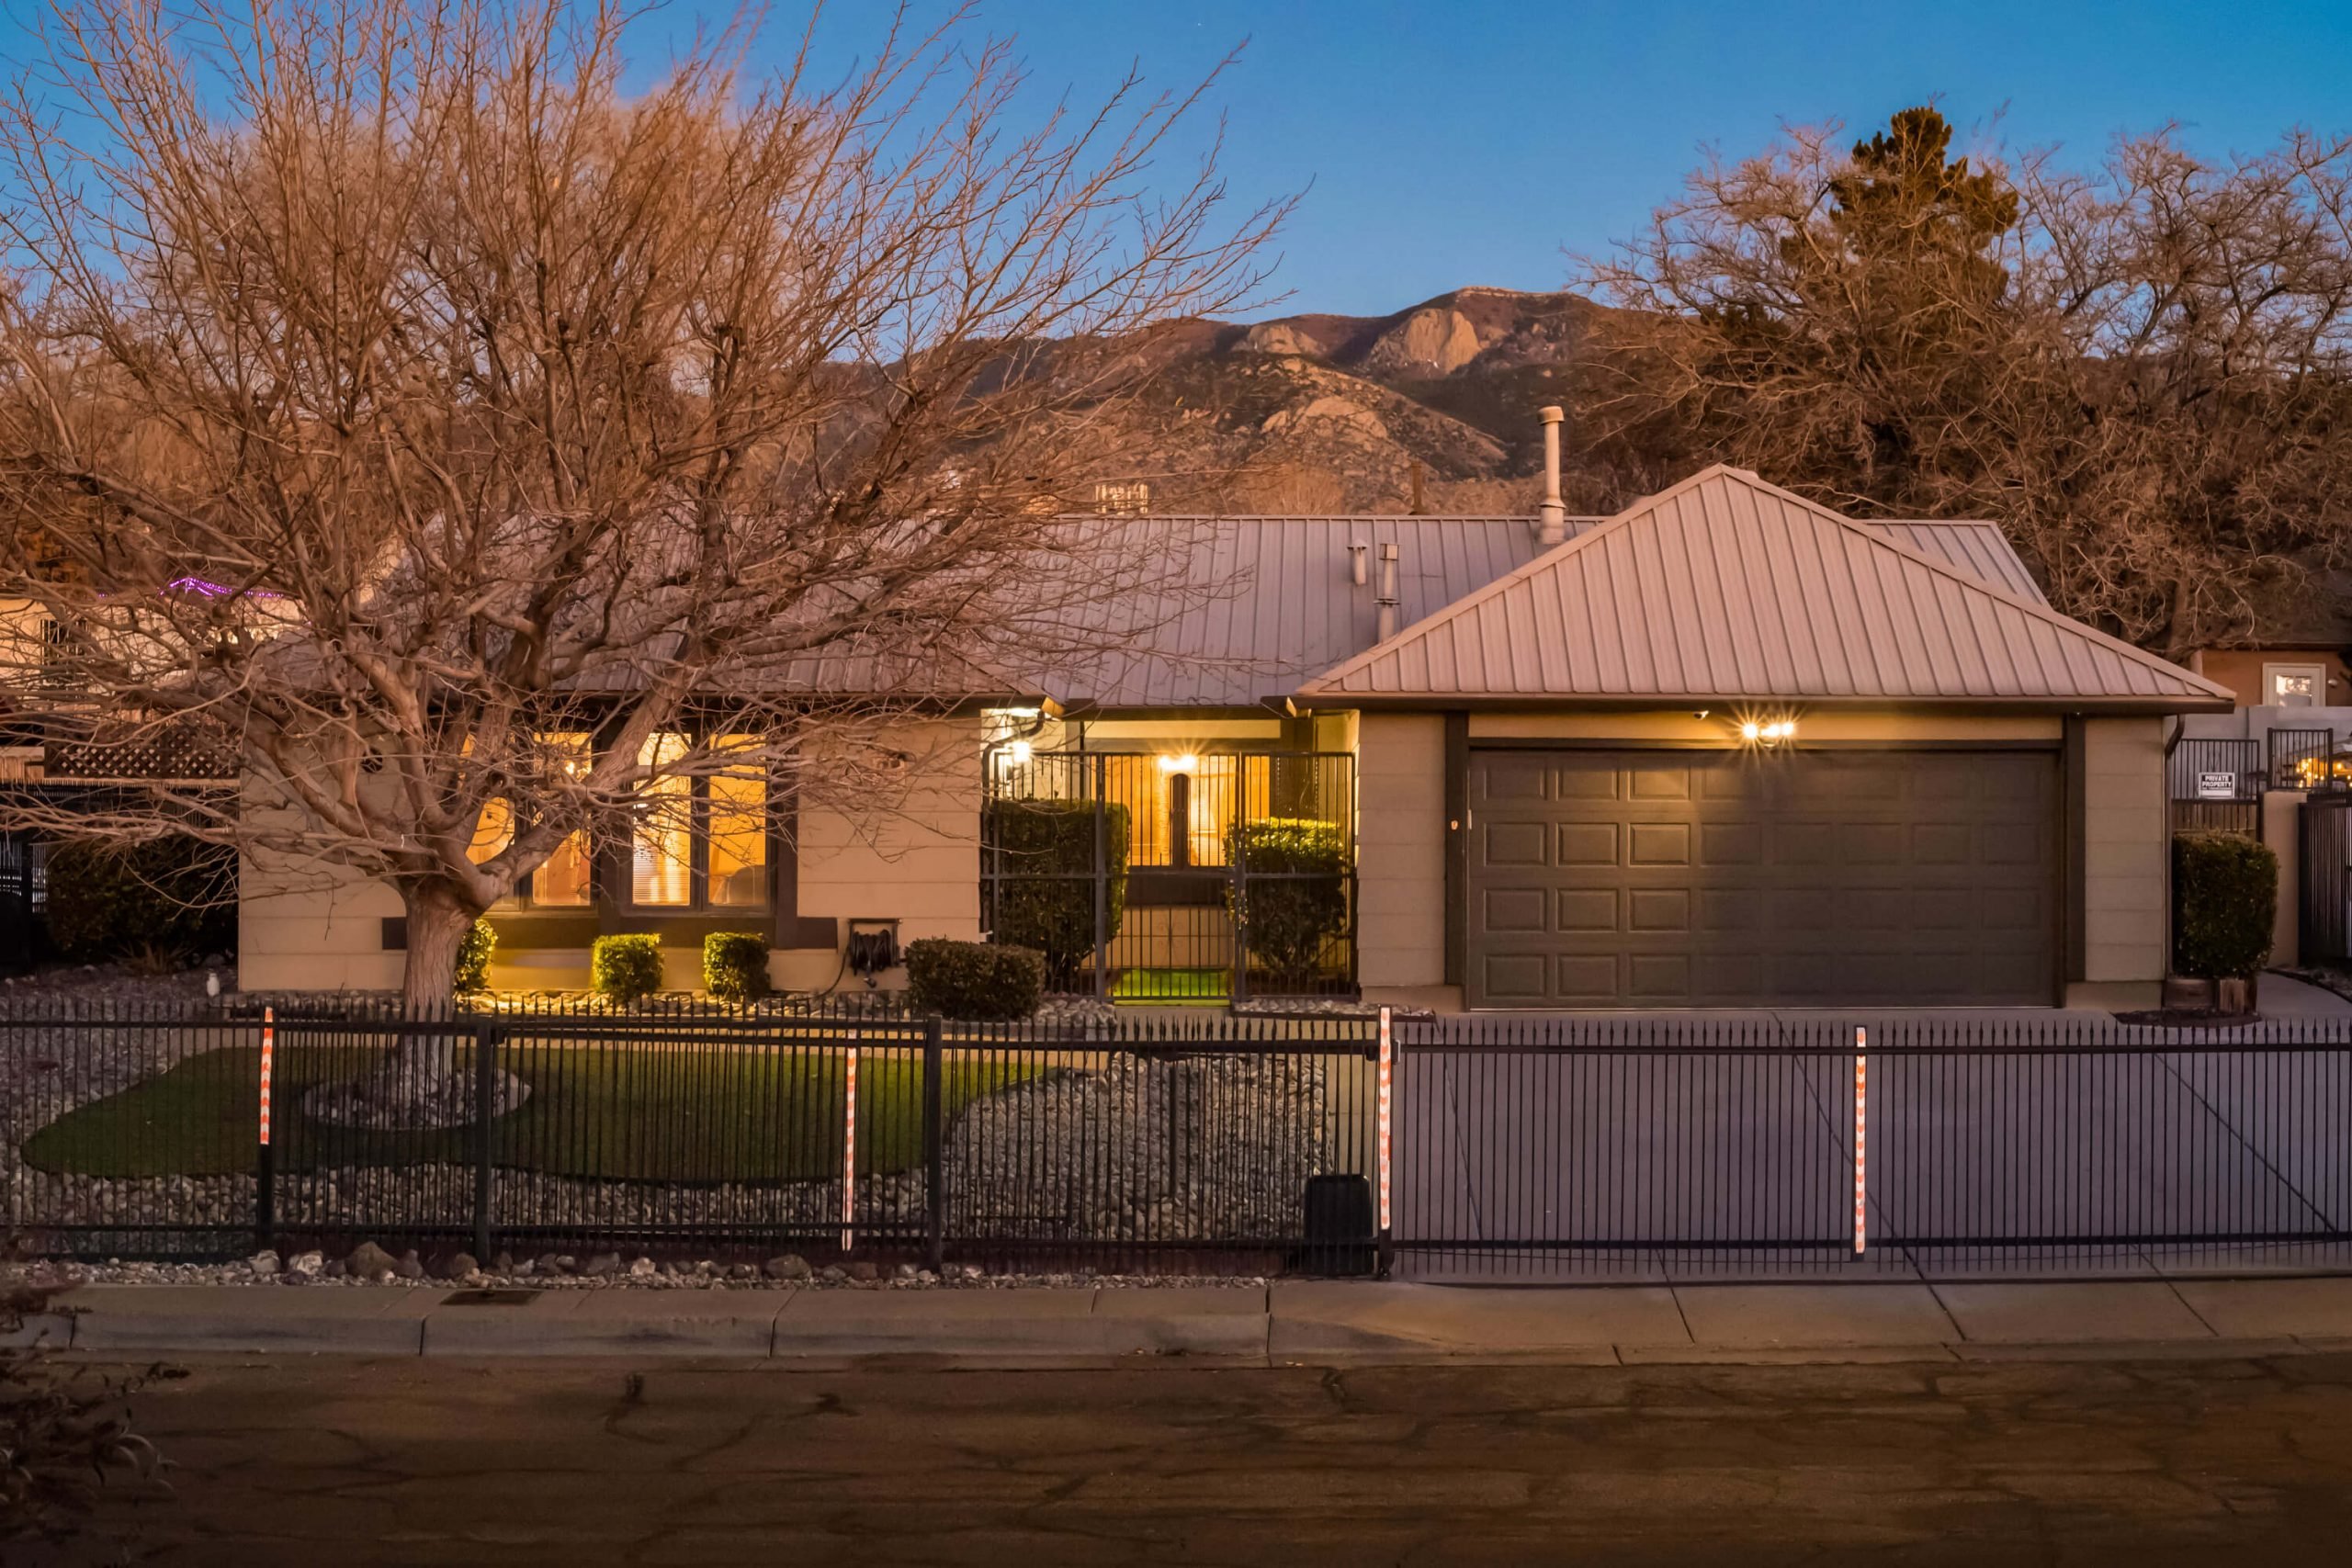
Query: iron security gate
{"x":1174,"y":877}
{"x":2323,"y":885}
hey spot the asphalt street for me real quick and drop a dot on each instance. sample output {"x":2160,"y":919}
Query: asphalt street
{"x":351,"y":1462}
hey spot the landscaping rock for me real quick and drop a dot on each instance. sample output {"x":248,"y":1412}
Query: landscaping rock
{"x":791,"y":1265}
{"x":458,"y":1266}
{"x":602,"y":1265}
{"x":864,"y":1273}
{"x":369,"y":1261}
{"x":503,"y":1263}
{"x":410,"y":1266}
{"x":306,"y":1265}
{"x":833,"y":1274}
{"x":264,"y":1264}
{"x":642,"y":1269}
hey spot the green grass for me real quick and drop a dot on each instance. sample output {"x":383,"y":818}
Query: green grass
{"x":683,"y":1115}
{"x":1173,"y":986}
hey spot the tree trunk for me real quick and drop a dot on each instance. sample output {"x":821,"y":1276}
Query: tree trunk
{"x":437,"y":924}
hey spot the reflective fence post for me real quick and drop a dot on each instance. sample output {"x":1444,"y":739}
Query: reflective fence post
{"x":265,"y":1152}
{"x":849,"y":1145}
{"x":935,"y":1160}
{"x":1383,"y":1127}
{"x":1862,"y":1147}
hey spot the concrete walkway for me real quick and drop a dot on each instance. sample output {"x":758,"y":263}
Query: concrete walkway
{"x":1304,"y":1323}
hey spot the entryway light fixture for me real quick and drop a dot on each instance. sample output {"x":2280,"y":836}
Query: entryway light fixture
{"x":1768,"y":732}
{"x":1184,"y":763}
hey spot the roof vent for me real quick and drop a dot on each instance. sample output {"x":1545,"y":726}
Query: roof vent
{"x":1355,"y":560}
{"x":1387,"y":600}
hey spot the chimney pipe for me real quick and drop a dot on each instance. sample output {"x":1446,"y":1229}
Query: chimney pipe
{"x":1552,"y":517}
{"x":1387,"y":592}
{"x":1355,"y":562}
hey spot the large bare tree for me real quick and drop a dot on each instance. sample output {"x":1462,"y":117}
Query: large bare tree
{"x":2140,"y":370}
{"x":392,"y":402}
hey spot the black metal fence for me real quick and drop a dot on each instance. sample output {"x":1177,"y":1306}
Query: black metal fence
{"x":1180,"y":877}
{"x":1460,"y":1147}
{"x":2306,"y":759}
{"x":2215,"y":786}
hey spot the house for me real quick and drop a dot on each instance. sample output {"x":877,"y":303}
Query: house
{"x":1724,"y":748}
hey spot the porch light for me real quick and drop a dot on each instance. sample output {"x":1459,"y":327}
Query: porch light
{"x":1767,"y":733}
{"x":1018,"y":753}
{"x":1185,"y":763}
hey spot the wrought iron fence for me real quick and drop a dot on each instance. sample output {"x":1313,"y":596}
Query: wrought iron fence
{"x":1462,"y":1147}
{"x":1175,"y":877}
{"x":2306,"y":759}
{"x":2215,"y":786}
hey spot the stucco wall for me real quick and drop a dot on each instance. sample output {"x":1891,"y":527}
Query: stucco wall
{"x":2123,"y":852}
{"x":1400,"y":850}
{"x":916,"y":859}
{"x":2241,"y":670}
{"x":307,"y":926}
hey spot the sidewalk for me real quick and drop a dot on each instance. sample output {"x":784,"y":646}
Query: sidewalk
{"x":1304,"y":1323}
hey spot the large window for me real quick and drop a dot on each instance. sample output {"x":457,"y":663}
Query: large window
{"x":564,"y":880}
{"x":701,"y":841}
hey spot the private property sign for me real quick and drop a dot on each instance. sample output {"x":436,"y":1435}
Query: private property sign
{"x":2217,"y":787}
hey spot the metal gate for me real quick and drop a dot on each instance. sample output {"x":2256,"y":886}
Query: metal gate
{"x":2215,"y":786}
{"x":19,"y":923}
{"x":2325,"y":839}
{"x":1174,"y":877}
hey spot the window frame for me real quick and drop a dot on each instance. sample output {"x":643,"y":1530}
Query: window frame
{"x":620,"y":866}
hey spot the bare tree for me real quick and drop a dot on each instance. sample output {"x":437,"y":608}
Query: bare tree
{"x":472,"y":450}
{"x":2140,"y":371}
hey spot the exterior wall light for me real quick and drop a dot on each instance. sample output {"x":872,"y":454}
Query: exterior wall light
{"x":1183,"y":764}
{"x":1767,"y":733}
{"x":1018,"y":753}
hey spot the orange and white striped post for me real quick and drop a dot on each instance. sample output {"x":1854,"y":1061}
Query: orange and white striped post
{"x":849,"y":1145}
{"x":264,"y":1155}
{"x":1861,"y":1140}
{"x":1384,"y":1130}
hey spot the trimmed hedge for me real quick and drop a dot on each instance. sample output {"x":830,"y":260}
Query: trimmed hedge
{"x":172,"y":897}
{"x":1042,"y":852}
{"x":978,"y":982}
{"x":626,"y":968}
{"x":1292,"y":916}
{"x":473,"y":959}
{"x":2225,"y":902}
{"x":735,"y":966}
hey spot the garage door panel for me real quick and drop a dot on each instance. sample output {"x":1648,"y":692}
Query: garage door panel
{"x":1833,"y":878}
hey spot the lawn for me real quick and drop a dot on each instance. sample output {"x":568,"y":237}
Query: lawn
{"x":1173,"y":986}
{"x":687,"y":1114}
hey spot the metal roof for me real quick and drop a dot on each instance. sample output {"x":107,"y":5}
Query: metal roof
{"x":1243,"y":609}
{"x":1728,"y":588}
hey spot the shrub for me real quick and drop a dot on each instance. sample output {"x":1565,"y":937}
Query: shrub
{"x":626,"y":968}
{"x":735,"y":966}
{"x":168,"y":895}
{"x":2226,"y":901}
{"x":979,"y":981}
{"x":1291,"y":915}
{"x":473,"y":959}
{"x":1041,"y":853}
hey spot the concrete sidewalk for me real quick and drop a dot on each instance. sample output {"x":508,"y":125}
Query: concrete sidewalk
{"x":1301,"y":1323}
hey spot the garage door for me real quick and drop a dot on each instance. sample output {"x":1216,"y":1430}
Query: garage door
{"x":1709,"y":878}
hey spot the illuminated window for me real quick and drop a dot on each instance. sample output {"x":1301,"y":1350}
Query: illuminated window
{"x":493,"y":830}
{"x":739,"y":831}
{"x":563,"y":880}
{"x":661,"y":854}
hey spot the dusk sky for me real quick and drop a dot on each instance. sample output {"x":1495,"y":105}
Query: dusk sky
{"x":1476,"y":141}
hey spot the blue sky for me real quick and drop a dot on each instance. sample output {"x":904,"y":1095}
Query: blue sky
{"x":1438,"y":144}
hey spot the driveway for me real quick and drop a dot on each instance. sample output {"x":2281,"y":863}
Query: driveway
{"x":2046,"y":1141}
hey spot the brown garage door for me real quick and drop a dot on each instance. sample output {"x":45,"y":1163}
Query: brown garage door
{"x":1709,"y":878}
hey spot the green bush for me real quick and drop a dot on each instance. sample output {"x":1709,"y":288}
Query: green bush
{"x":978,"y":981}
{"x":2225,"y":902}
{"x":1291,"y":915}
{"x":626,"y":968}
{"x":473,"y":959}
{"x":172,"y":895}
{"x":735,"y":966}
{"x":1041,"y":853}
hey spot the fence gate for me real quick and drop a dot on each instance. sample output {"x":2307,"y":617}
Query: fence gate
{"x":2324,"y":926}
{"x":19,"y":928}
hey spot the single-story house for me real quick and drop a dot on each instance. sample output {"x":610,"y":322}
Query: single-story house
{"x":1726,"y":748}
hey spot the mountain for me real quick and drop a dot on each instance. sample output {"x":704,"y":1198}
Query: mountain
{"x":1316,"y":413}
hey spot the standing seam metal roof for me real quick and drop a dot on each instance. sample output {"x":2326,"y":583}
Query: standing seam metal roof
{"x":1728,"y":587}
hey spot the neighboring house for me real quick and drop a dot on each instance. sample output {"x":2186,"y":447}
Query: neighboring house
{"x":1724,"y":748}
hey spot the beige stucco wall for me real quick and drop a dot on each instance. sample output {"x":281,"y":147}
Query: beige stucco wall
{"x":308,"y":926}
{"x":2282,"y":822}
{"x":915,"y":860}
{"x":1400,"y":849}
{"x":2123,"y":852}
{"x":1720,"y":726}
